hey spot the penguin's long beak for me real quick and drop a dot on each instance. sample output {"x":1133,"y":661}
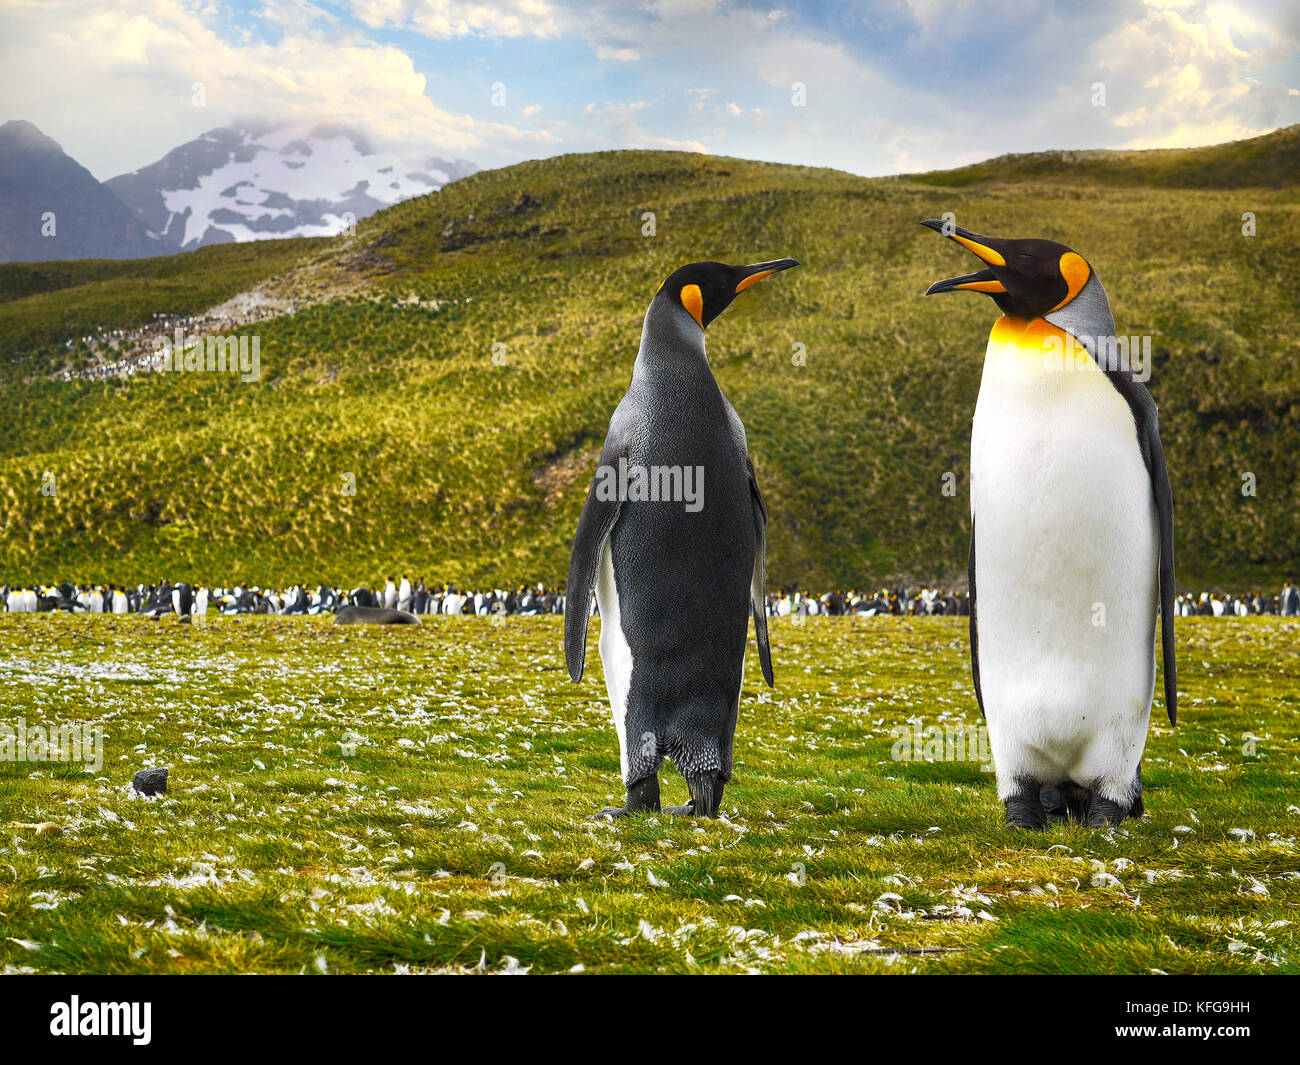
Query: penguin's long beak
{"x":755,"y":272}
{"x":983,"y":248}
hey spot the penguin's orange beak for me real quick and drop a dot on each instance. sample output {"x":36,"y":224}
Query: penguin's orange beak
{"x":983,"y":248}
{"x":755,"y":273}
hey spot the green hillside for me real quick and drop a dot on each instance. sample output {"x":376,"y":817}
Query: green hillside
{"x":1270,"y":161}
{"x":467,"y":469}
{"x":42,"y":304}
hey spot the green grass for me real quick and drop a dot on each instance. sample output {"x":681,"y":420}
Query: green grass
{"x":455,"y":836}
{"x":470,"y":471}
{"x":1271,"y":160}
{"x":42,"y":304}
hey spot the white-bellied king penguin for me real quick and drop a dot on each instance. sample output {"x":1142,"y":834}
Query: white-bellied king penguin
{"x":676,"y":582}
{"x":1071,"y":540}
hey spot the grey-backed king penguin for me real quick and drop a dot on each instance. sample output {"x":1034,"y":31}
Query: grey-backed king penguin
{"x":1071,"y":540}
{"x":676,"y":580}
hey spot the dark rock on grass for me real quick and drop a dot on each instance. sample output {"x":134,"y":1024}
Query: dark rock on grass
{"x":374,"y":615}
{"x":150,"y":781}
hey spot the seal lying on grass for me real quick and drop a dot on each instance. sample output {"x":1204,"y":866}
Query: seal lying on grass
{"x":374,"y":615}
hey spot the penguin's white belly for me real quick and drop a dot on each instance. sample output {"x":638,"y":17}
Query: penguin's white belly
{"x":615,"y":654}
{"x":1066,"y":573}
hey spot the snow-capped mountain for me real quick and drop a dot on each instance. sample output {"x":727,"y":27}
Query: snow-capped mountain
{"x":251,"y":182}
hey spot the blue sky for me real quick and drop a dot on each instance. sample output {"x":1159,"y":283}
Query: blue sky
{"x":888,"y":87}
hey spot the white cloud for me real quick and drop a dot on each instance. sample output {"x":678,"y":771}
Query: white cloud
{"x":685,"y":12}
{"x":1174,"y":76}
{"x":1174,"y":82}
{"x":295,"y":16}
{"x":57,"y":62}
{"x":625,"y":55}
{"x":1177,"y":72}
{"x":450,"y":18}
{"x":617,"y":126}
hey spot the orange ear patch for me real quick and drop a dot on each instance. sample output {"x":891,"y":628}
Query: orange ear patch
{"x":753,"y":279}
{"x":1076,"y":273}
{"x":693,"y":301}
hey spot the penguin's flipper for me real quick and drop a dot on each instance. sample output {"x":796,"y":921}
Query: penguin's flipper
{"x":598,"y":519}
{"x":758,"y":586}
{"x":1147,"y":422}
{"x":974,"y":631}
{"x":1154,"y":453}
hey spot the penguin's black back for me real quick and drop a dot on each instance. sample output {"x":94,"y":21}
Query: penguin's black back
{"x":683,"y":579}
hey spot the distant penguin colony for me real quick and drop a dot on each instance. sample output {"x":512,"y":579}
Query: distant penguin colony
{"x":185,"y":601}
{"x":674,"y":666}
{"x":1067,"y":470}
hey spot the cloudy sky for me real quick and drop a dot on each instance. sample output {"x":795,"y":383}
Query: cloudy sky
{"x":888,"y":85}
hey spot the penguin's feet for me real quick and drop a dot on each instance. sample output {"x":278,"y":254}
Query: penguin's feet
{"x":1025,"y":807}
{"x":643,"y":795}
{"x":1064,"y":804}
{"x":1056,"y":806}
{"x":681,"y":811}
{"x":609,"y":813}
{"x":1103,"y":812}
{"x":706,"y":793}
{"x":1138,"y":809}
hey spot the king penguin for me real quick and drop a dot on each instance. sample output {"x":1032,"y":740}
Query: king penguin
{"x":183,"y":600}
{"x":1071,"y":546}
{"x":676,"y":579}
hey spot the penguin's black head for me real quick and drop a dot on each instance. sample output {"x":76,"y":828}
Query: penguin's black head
{"x":707,"y":289}
{"x":1026,"y":278}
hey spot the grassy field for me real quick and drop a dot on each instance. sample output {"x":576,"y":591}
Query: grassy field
{"x":1269,"y":161}
{"x":452,"y":837}
{"x":460,"y":356}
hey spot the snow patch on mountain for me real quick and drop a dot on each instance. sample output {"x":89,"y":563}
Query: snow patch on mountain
{"x":241,"y":183}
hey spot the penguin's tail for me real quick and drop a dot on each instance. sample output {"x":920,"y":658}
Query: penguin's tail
{"x":706,"y":792}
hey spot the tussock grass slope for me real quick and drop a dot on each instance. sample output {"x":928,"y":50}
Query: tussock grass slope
{"x":474,"y":469}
